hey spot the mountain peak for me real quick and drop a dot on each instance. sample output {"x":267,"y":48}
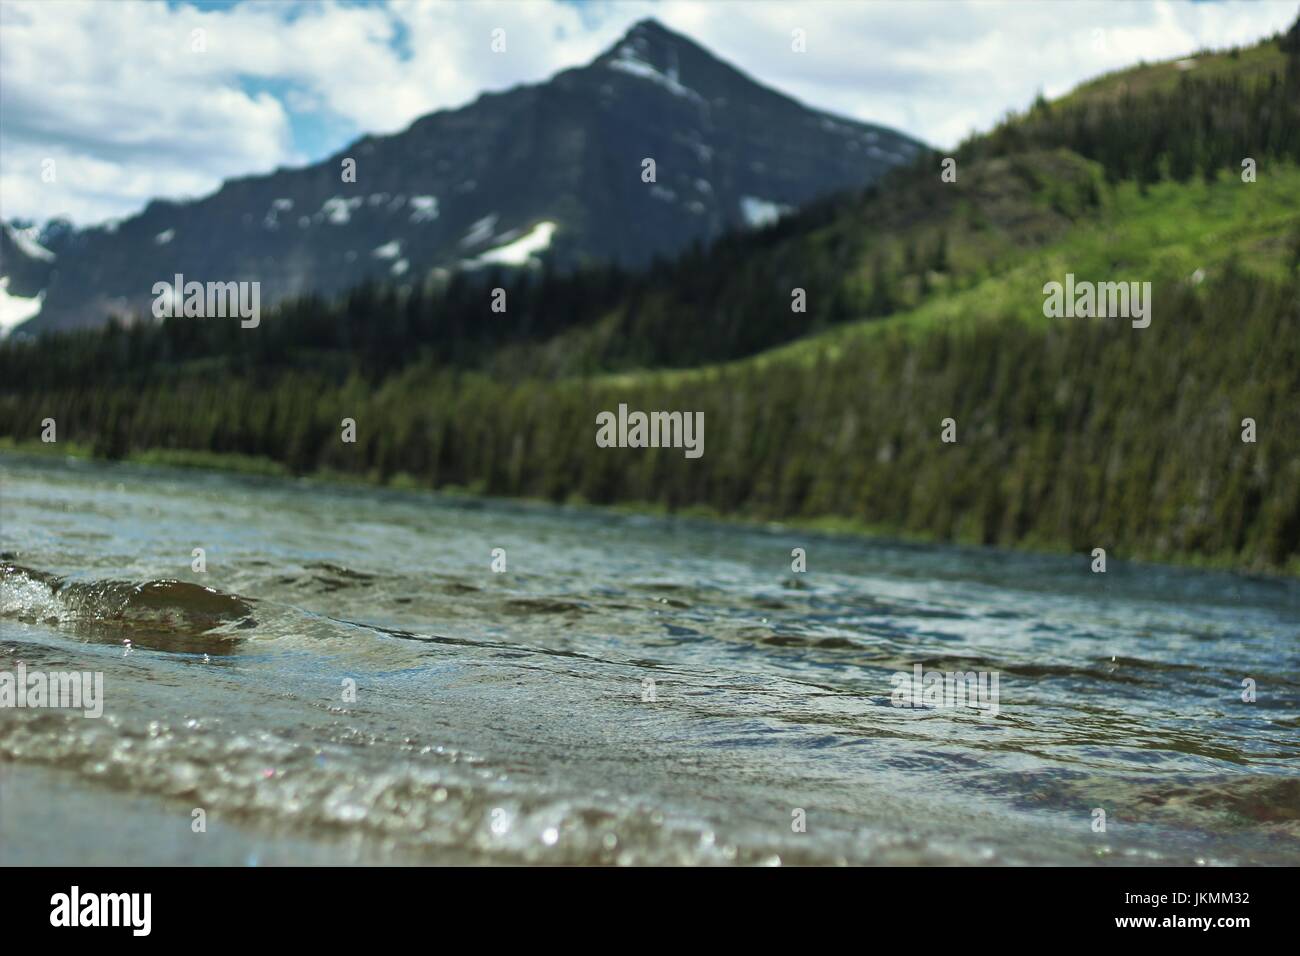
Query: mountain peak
{"x":651,"y":43}
{"x":649,"y":26}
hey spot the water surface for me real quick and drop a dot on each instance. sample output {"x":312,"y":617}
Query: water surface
{"x":506,"y":717}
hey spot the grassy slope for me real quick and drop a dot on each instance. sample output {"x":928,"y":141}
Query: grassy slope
{"x":1252,"y":63}
{"x":1168,"y":233}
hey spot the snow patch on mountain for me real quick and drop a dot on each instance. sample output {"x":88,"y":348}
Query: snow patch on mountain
{"x":25,"y":240}
{"x":15,"y":309}
{"x":339,"y":210}
{"x":627,"y":61}
{"x":760,"y":212}
{"x":517,"y":253}
{"x":425,"y":208}
{"x":272,"y":218}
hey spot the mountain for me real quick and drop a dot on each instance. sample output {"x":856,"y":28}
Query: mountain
{"x":550,"y":171}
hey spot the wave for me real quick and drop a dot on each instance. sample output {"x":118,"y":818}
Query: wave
{"x":164,"y":614}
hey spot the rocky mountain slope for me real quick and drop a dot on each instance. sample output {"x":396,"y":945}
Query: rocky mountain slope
{"x":551,"y":171}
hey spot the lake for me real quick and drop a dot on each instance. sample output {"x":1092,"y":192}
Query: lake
{"x":367,"y":675}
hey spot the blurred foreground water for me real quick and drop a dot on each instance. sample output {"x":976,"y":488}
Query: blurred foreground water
{"x":630,"y":690}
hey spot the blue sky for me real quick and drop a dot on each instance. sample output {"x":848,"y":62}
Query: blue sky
{"x":124,"y":106}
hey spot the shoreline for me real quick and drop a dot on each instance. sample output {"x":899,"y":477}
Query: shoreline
{"x":152,"y":829}
{"x":233,"y":463}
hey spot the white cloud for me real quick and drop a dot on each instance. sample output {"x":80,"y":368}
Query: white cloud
{"x":941,"y":70}
{"x":111,"y":94}
{"x":129,"y":111}
{"x":115,"y":96}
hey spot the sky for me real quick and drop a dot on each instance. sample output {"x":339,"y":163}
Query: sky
{"x":106,"y":105}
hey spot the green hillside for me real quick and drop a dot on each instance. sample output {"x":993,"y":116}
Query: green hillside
{"x":1256,"y":64}
{"x":1167,"y":233}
